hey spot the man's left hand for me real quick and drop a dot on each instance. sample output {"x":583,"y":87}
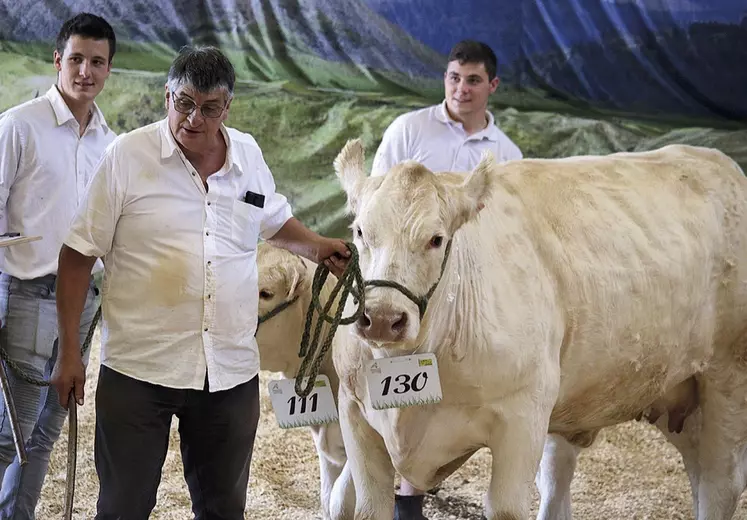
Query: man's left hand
{"x":334,"y":253}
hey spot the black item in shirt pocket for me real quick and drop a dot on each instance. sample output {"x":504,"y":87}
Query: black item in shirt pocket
{"x":255,"y":199}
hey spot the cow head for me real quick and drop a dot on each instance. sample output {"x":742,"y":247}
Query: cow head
{"x":403,"y":222}
{"x":282,"y":277}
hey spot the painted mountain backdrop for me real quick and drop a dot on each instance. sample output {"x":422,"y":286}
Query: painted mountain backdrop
{"x":661,"y":58}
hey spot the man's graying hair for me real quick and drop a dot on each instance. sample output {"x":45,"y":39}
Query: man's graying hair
{"x":204,"y":68}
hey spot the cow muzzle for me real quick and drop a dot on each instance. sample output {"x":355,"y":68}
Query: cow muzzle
{"x":374,"y":323}
{"x":385,"y":324}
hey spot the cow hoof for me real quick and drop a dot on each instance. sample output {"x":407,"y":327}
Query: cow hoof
{"x":408,"y":507}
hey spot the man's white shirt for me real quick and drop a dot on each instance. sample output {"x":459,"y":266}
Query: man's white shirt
{"x":180,"y":291}
{"x":430,"y":137}
{"x":45,"y":166}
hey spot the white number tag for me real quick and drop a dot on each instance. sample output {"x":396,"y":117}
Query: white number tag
{"x":292,"y":411}
{"x":403,"y":381}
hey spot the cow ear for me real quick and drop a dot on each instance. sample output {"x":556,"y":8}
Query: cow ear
{"x":349,"y":167}
{"x":473,"y":193}
{"x":297,"y":278}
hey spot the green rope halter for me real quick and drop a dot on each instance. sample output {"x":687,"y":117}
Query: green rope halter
{"x":313,"y":349}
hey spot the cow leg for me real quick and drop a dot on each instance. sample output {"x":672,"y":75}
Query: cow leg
{"x":342,"y":499}
{"x":722,"y":444}
{"x":369,"y":462}
{"x":516,"y":447}
{"x":331,"y":452}
{"x":687,"y":443}
{"x":329,"y":472}
{"x":554,"y":478}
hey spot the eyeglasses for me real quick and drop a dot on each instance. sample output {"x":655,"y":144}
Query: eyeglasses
{"x":187,"y":106}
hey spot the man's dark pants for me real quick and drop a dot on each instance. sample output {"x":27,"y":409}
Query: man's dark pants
{"x":216,"y":433}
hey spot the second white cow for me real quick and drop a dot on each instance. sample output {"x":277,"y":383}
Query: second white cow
{"x":284,"y":278}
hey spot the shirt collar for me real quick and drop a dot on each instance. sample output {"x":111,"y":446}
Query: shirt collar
{"x":63,"y":114}
{"x":169,"y":146}
{"x":490,"y":132}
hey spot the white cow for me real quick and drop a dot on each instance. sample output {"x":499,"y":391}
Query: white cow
{"x":583,"y":292}
{"x":286,"y":277}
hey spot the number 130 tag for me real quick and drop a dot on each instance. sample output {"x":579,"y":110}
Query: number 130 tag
{"x":292,"y":411}
{"x":403,"y":381}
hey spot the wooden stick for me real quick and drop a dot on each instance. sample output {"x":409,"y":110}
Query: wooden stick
{"x":72,"y":455}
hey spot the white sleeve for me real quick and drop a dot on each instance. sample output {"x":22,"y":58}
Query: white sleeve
{"x":92,"y":229}
{"x":508,"y":149}
{"x":277,"y":210}
{"x":394,"y":147}
{"x":513,"y":152}
{"x":11,"y":153}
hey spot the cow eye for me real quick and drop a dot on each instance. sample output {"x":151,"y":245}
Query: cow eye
{"x":265,"y":295}
{"x":436,"y":241}
{"x":359,"y":232}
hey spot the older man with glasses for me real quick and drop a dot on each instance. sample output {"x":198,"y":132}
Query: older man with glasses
{"x":176,"y":210}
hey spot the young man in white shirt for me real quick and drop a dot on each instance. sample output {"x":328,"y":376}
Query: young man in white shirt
{"x":48,"y":149}
{"x":176,"y":209}
{"x":450,"y":136}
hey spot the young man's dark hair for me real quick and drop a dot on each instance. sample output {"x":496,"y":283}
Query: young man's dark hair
{"x":471,"y":51}
{"x":86,"y":25}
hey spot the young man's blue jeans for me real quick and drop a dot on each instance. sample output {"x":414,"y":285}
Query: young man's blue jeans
{"x":29,"y":335}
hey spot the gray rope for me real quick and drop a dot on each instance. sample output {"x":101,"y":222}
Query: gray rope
{"x":313,"y":349}
{"x":275,"y":311}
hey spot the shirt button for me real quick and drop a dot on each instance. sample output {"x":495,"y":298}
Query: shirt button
{"x":206,"y":329}
{"x":209,"y":296}
{"x":207,"y":233}
{"x":210,"y":262}
{"x":193,"y":174}
{"x":209,"y":203}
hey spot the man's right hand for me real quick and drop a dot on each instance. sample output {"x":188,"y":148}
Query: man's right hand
{"x":69,"y":375}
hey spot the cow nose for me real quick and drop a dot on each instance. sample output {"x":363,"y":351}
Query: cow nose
{"x":382,"y":326}
{"x":399,"y":325}
{"x":364,"y":321}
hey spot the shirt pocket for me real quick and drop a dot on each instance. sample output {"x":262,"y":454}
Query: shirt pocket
{"x":245,"y":224}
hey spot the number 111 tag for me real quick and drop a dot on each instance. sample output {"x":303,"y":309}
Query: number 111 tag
{"x":403,"y":381}
{"x":292,"y":411}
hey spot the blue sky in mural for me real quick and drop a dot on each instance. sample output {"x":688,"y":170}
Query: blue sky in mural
{"x":540,"y":25}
